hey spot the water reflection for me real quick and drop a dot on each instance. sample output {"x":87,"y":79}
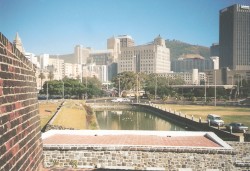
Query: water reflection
{"x":133,"y":120}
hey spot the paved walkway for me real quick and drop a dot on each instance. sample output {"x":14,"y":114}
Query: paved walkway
{"x":138,"y":140}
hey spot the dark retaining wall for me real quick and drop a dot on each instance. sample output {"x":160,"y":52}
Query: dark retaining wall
{"x":191,"y":124}
{"x":20,"y":137}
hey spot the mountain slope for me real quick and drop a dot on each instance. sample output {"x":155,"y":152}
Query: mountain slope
{"x":177,"y":48}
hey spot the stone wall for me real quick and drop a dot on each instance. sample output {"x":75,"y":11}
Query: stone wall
{"x":147,"y":158}
{"x":243,"y":154}
{"x":184,"y":121}
{"x":20,"y":137}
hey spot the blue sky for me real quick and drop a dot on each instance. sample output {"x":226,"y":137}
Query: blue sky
{"x":56,"y":26}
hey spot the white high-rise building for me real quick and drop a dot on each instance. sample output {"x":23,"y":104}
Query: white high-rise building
{"x":73,"y":70}
{"x":44,"y":60}
{"x":103,"y":73}
{"x":32,"y":58}
{"x":81,"y":54}
{"x":215,"y":60}
{"x":195,"y":77}
{"x":68,"y":71}
{"x":113,"y":43}
{"x":98,"y":71}
{"x":190,"y":78}
{"x":57,"y":67}
{"x":150,"y":58}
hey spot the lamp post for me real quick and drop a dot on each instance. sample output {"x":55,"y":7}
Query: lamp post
{"x":63,"y":90}
{"x":137,"y":88}
{"x":214,"y":87}
{"x":86,"y":84}
{"x":205,"y":89}
{"x":119,"y":86}
{"x":238,"y":86}
{"x":47,"y":92}
{"x":155,"y":86}
{"x":241,"y":84}
{"x":137,"y":72}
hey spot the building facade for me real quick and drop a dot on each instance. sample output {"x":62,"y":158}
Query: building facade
{"x":215,"y":62}
{"x":188,"y":62}
{"x":150,"y":58}
{"x":190,"y":78}
{"x":32,"y":58}
{"x":57,"y":67}
{"x":215,"y":49}
{"x":114,"y":44}
{"x":98,"y":71}
{"x":235,"y":37}
{"x":81,"y":54}
{"x":44,"y":60}
{"x":126,"y":41}
{"x":101,"y":57}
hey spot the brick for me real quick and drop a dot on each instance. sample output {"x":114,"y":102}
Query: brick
{"x":18,"y":111}
{"x":4,"y":67}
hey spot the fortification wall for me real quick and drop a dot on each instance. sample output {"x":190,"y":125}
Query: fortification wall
{"x":147,"y":158}
{"x":20,"y":137}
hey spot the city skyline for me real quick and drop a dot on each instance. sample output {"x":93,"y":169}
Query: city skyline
{"x":55,"y":28}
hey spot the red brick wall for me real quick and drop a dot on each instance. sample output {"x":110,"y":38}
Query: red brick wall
{"x":20,"y":137}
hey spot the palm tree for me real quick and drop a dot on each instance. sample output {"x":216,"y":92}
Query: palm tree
{"x":51,"y":75}
{"x":41,"y":76}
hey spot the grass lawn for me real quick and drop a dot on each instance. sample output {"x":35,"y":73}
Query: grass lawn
{"x":72,"y":115}
{"x":228,"y":114}
{"x":46,"y":111}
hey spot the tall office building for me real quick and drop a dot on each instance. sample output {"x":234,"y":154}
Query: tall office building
{"x":44,"y":60}
{"x":235,"y":37}
{"x":215,"y":49}
{"x":81,"y":54}
{"x":126,"y":41}
{"x":57,"y":66}
{"x":188,"y":62}
{"x":113,"y":43}
{"x":150,"y":58}
{"x":215,"y":62}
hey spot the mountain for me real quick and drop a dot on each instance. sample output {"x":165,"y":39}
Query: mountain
{"x":178,"y":48}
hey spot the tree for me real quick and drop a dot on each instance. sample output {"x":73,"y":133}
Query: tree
{"x":176,"y":81}
{"x":69,"y":87}
{"x":41,"y":76}
{"x":127,"y":80}
{"x":51,"y":75}
{"x":94,"y":87}
{"x":244,"y":88}
{"x":158,"y":85}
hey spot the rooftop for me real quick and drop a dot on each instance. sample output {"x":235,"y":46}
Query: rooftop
{"x":134,"y":138}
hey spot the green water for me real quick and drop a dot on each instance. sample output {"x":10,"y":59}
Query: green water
{"x":133,"y":120}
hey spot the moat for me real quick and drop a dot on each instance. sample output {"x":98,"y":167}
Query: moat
{"x":133,"y":120}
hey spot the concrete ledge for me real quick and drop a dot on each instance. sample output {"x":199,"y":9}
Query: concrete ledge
{"x":223,"y":148}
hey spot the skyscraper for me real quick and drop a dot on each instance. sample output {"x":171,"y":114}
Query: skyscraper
{"x":215,"y":49}
{"x":235,"y":37}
